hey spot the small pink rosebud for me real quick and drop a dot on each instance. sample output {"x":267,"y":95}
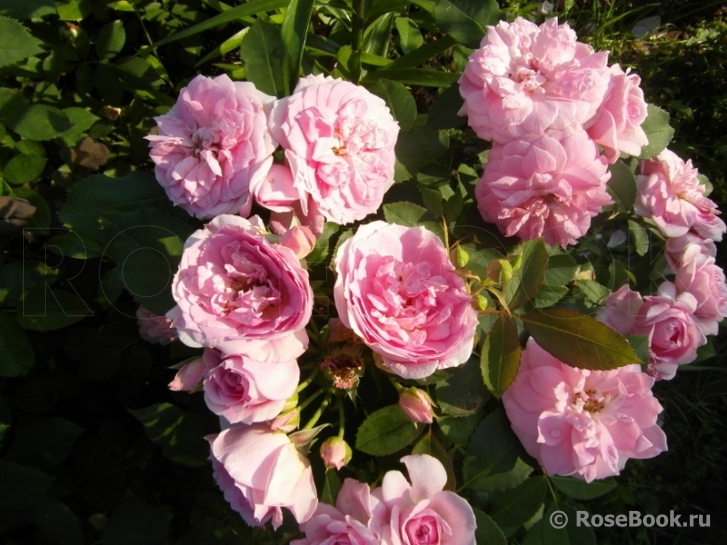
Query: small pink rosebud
{"x":335,"y":453}
{"x":189,"y":376}
{"x":300,"y":239}
{"x":417,"y":405}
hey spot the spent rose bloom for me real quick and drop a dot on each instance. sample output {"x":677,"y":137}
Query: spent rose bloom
{"x":417,"y":405}
{"x":247,"y":391}
{"x":212,"y":145}
{"x":544,"y":187}
{"x":260,"y":472}
{"x":339,"y":142}
{"x":671,"y":195}
{"x":617,"y":125}
{"x":345,"y":524}
{"x":239,"y":293}
{"x":153,"y":328}
{"x":700,"y":276}
{"x":580,"y":422}
{"x":396,"y":289}
{"x":526,"y":81}
{"x":674,"y":336}
{"x":420,"y":511}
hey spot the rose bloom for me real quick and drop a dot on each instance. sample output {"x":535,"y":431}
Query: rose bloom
{"x":241,"y":294}
{"x":189,"y":376}
{"x":579,"y":422}
{"x":153,"y":328}
{"x":260,"y":472}
{"x":396,"y":289}
{"x":212,"y":145}
{"x":674,"y":336}
{"x":671,"y":195}
{"x":339,"y":142}
{"x":617,"y":125}
{"x":675,"y":248}
{"x":421,"y":513}
{"x":620,"y":309}
{"x":544,"y":187}
{"x":526,"y":81}
{"x":244,"y":390}
{"x":700,"y":276}
{"x":417,"y":405}
{"x":346,"y":523}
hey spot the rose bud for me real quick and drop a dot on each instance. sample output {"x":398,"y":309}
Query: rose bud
{"x":300,"y":239}
{"x":189,"y":376}
{"x":335,"y":453}
{"x":417,"y":405}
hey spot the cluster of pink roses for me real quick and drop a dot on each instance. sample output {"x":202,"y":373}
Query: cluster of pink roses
{"x":547,"y":102}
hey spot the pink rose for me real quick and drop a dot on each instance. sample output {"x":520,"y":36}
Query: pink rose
{"x":421,"y":513}
{"x":346,"y":523}
{"x":396,"y":289}
{"x":335,"y":452}
{"x":260,"y":472}
{"x":248,"y":391}
{"x":674,"y":336}
{"x":675,"y":248}
{"x":701,"y":277}
{"x":580,"y":422}
{"x":299,"y":239}
{"x":544,"y":187}
{"x":617,"y":126}
{"x":239,"y":293}
{"x":153,"y":328}
{"x":275,"y":191}
{"x":212,"y":145}
{"x":670,"y":195}
{"x":189,"y":376}
{"x":339,"y":142}
{"x":417,"y":405}
{"x":620,"y":309}
{"x":526,"y":81}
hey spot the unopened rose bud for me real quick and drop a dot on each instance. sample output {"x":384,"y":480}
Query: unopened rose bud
{"x":499,"y":270}
{"x":286,"y":421}
{"x":335,"y":453}
{"x":481,"y":302}
{"x":417,"y":405}
{"x":299,"y":239}
{"x":459,"y":257}
{"x":189,"y":376}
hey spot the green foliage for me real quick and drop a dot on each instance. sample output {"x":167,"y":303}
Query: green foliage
{"x":386,"y":431}
{"x":500,"y":358}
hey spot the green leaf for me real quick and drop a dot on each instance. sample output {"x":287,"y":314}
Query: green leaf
{"x":23,"y":169}
{"x":39,"y":122}
{"x":21,"y":486}
{"x":73,"y":245}
{"x":459,"y":429}
{"x":639,"y":236}
{"x":27,"y":9}
{"x":622,"y":186}
{"x":413,"y":76}
{"x":16,"y":43}
{"x":430,"y":445}
{"x":463,"y":393}
{"x":444,"y":112}
{"x":91,"y":197}
{"x":562,"y":269}
{"x":382,"y":7}
{"x":528,"y":277}
{"x":500,"y":358}
{"x":322,"y":248}
{"x":514,"y":507}
{"x":253,"y":7}
{"x":405,"y":213}
{"x":543,"y":532}
{"x":45,"y":443}
{"x":399,"y":100}
{"x":466,"y":20}
{"x":263,"y":52}
{"x":579,"y":340}
{"x":57,"y":522}
{"x":75,"y":10}
{"x":46,"y":309}
{"x":331,"y":487}
{"x":581,"y":490}
{"x":293,"y":35}
{"x":419,"y":147}
{"x":377,"y":37}
{"x":493,"y":460}
{"x":594,"y":292}
{"x":386,"y":431}
{"x":410,"y":37}
{"x":136,"y":523}
{"x":488,"y":532}
{"x":658,"y":131}
{"x":110,"y":40}
{"x":17,"y":353}
{"x":423,"y":54}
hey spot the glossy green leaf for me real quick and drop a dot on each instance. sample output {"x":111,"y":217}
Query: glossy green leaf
{"x":466,"y":20}
{"x":638,"y":237}
{"x":430,"y":445}
{"x":494,"y":457}
{"x":500,"y":358}
{"x":110,"y":40}
{"x":562,"y":269}
{"x":23,"y":169}
{"x":581,"y":490}
{"x":579,"y":340}
{"x":444,"y":112}
{"x":321,"y":250}
{"x":39,"y":122}
{"x":386,"y":431}
{"x":410,"y":37}
{"x":423,"y":54}
{"x":399,"y":100}
{"x":463,"y":393}
{"x":459,"y":429}
{"x":16,"y":43}
{"x":487,"y":530}
{"x":46,"y":309}
{"x":293,"y":37}
{"x":405,"y":213}
{"x":413,"y":76}
{"x":73,"y":245}
{"x":513,"y":507}
{"x":377,"y":37}
{"x":27,"y":9}
{"x":419,"y":147}
{"x":17,"y":353}
{"x":594,"y":292}
{"x":382,"y":7}
{"x":622,"y":186}
{"x":263,"y":52}
{"x":658,"y":131}
{"x":544,"y":532}
{"x":528,"y":277}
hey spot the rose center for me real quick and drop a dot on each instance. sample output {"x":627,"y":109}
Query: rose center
{"x":593,"y":401}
